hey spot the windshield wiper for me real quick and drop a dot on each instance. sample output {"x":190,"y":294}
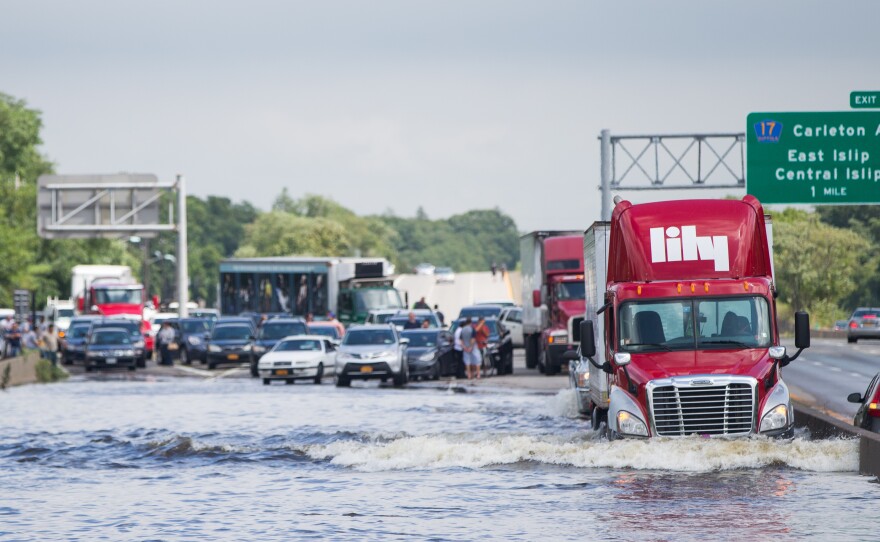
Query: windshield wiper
{"x":663,"y":346}
{"x":728,"y":341}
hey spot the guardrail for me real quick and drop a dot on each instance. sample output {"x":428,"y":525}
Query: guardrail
{"x":822,"y":425}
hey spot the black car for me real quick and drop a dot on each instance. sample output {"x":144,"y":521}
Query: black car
{"x":270,"y":333}
{"x":230,"y":343}
{"x":135,"y":334}
{"x":499,"y":347}
{"x":110,"y":347}
{"x":73,"y":346}
{"x":191,"y":339}
{"x":868,"y":415}
{"x":429,"y":353}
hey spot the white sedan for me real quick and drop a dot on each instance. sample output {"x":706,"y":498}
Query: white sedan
{"x":298,"y":357}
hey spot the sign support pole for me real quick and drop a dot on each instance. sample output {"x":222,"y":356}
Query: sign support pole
{"x":182,"y":250}
{"x":605,"y":157}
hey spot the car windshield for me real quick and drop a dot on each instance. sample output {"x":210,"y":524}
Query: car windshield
{"x":102,"y":338}
{"x":723,"y":323}
{"x":377,"y":298}
{"x":569,"y":290}
{"x":77,"y":332}
{"x":476,"y":312}
{"x":231,"y":333}
{"x":402,"y":320}
{"x":195,"y":326}
{"x":298,"y":345}
{"x":421,"y":339}
{"x":381,"y":318}
{"x":273,"y":332}
{"x":132,"y":327}
{"x":118,"y":295}
{"x":327,"y":331}
{"x":361,"y":337}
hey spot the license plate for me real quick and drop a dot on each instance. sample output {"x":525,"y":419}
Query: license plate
{"x":111,"y":361}
{"x":280,"y":372}
{"x":366,"y":369}
{"x":233,"y":357}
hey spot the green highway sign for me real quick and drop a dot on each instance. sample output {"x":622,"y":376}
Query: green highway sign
{"x":814,"y":157}
{"x":861,"y":99}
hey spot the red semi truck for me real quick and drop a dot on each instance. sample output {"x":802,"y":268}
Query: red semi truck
{"x":680,"y":324}
{"x":553,"y":296}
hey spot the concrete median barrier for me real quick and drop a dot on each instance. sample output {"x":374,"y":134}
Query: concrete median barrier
{"x":822,"y":426}
{"x":19,"y":370}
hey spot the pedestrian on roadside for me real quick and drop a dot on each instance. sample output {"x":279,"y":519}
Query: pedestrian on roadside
{"x":494,"y":268}
{"x":165,"y":337}
{"x":481,"y":336}
{"x":50,"y":344}
{"x":421,"y":304}
{"x":440,"y":315}
{"x":13,"y":340}
{"x":331,"y":318}
{"x":470,"y":352}
{"x":7,"y":324}
{"x":30,"y":341}
{"x":503,"y":269}
{"x":457,"y":353}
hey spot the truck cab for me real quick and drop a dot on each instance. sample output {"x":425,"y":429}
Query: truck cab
{"x":681,"y":322}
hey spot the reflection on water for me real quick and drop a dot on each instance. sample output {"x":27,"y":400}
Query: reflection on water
{"x":234,"y":460}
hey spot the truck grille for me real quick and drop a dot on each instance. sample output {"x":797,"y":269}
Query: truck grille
{"x":704,"y":410}
{"x":574,"y":328}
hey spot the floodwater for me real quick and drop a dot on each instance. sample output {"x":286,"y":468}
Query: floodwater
{"x":230,"y":459}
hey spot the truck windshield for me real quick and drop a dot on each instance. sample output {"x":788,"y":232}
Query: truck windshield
{"x":376,"y":298}
{"x":721,"y":323}
{"x":566,"y":291}
{"x":118,"y":295}
{"x":64,"y":313}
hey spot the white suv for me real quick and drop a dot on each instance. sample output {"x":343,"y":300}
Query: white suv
{"x":372,"y":352}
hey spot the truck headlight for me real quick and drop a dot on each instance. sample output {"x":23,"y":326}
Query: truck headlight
{"x":775,"y":419}
{"x":558,"y":337}
{"x":629,"y":424}
{"x":214,"y":348}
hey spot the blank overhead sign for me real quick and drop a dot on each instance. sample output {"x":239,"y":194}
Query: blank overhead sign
{"x":86,"y":206}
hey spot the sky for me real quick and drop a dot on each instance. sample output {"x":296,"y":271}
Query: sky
{"x":389,"y":105}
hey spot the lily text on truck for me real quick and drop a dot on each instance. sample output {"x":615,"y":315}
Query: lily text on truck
{"x":681,"y":322}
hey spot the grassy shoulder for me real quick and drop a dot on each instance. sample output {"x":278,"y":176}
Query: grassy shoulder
{"x":46,"y":372}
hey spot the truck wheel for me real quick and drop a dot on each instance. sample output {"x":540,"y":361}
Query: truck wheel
{"x":550,"y":367}
{"x":531,"y":346}
{"x":595,"y":418}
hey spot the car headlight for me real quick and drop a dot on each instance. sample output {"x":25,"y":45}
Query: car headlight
{"x":193,"y":340}
{"x":628,"y":424}
{"x":775,"y":419}
{"x":386,"y":354}
{"x":344,"y":356}
{"x":246,"y":348}
{"x":214,"y":348}
{"x":492,"y":346}
{"x":126,"y":353}
{"x":427,"y":356}
{"x":259,"y":349}
{"x":138,"y":344}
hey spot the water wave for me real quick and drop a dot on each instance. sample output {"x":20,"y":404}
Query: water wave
{"x":681,"y":455}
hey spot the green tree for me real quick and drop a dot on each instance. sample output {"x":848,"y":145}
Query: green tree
{"x":816,"y":264}
{"x":283,"y":234}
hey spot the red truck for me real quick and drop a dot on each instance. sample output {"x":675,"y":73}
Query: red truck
{"x":111,"y":297}
{"x":553,"y":296}
{"x":680,"y":324}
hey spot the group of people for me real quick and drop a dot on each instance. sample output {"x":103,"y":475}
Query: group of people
{"x":470,"y":342}
{"x":19,"y":339}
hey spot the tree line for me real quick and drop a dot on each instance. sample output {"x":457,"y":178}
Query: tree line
{"x":826,"y":261}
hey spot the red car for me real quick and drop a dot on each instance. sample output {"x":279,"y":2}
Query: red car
{"x":868,"y":415}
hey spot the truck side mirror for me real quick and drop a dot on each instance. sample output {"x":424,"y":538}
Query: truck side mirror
{"x":801,"y":330}
{"x":536,"y":298}
{"x":588,"y":341}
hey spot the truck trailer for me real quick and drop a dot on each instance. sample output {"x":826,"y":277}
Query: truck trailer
{"x":553,"y":296}
{"x":680,"y":327}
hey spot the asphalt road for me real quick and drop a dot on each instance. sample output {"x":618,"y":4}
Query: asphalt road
{"x":831,"y":369}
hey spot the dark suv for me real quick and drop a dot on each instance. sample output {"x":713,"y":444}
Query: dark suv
{"x":230,"y":343}
{"x":863,"y":324}
{"x":191,"y":339}
{"x":135,"y":334}
{"x":270,"y":333}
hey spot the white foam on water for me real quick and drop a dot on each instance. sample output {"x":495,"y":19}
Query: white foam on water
{"x":563,"y":404}
{"x":692,"y":454}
